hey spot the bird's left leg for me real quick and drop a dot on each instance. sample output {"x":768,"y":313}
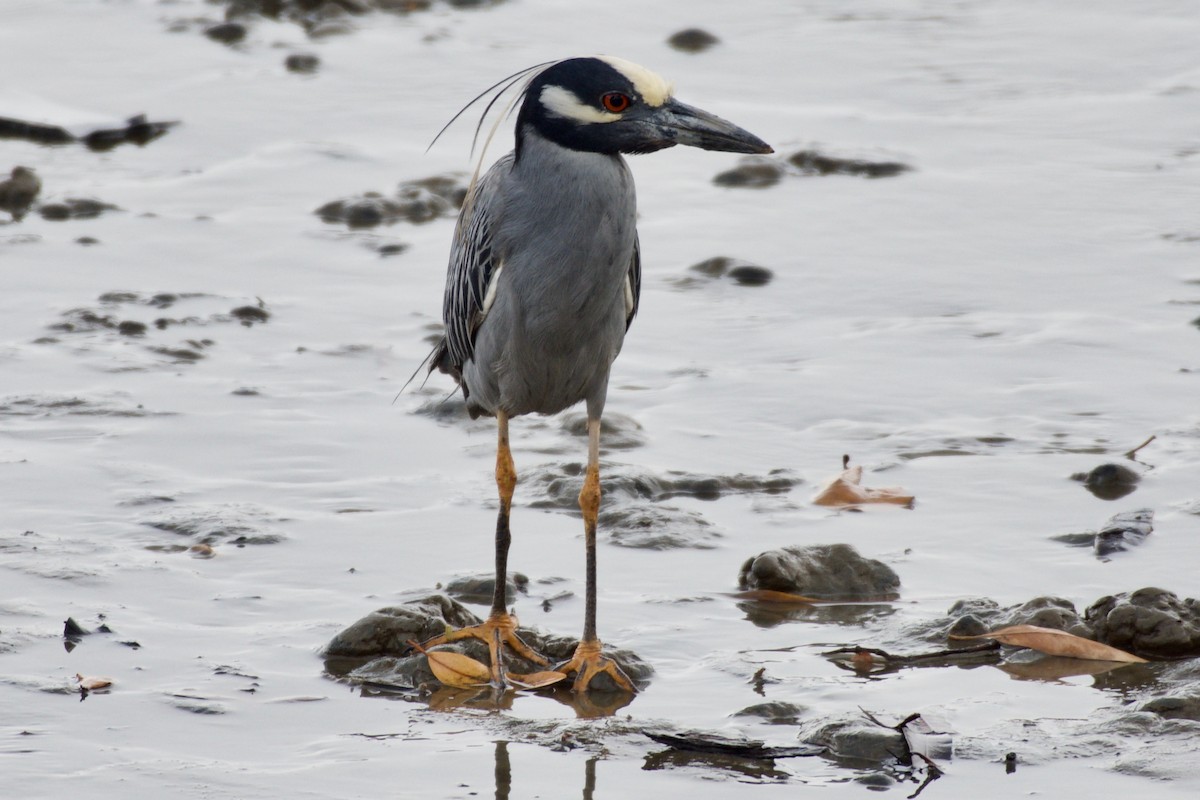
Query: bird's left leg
{"x":588,"y":661}
{"x":500,"y":628}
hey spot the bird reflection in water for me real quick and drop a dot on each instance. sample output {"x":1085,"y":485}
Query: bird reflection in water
{"x":504,"y":774}
{"x":586,"y":706}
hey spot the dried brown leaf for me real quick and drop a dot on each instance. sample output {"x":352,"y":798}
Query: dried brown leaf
{"x":1057,"y":643}
{"x":92,"y":684}
{"x":535,"y":680}
{"x":847,"y":490}
{"x":455,"y":669}
{"x":773,"y":596}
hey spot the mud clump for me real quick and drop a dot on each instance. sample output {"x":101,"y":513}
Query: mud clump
{"x":19,"y":191}
{"x":755,"y":172}
{"x":75,"y":208}
{"x":136,"y":130}
{"x":811,"y":162}
{"x":478,"y":589}
{"x":226,"y":32}
{"x":1109,"y":481}
{"x":416,"y":202}
{"x":376,"y":648}
{"x":740,"y":272}
{"x":824,"y":571}
{"x":302,"y":63}
{"x":1151,"y":622}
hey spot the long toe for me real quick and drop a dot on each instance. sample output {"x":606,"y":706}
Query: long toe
{"x":589,"y":665}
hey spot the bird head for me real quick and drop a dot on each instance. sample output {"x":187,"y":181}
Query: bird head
{"x":608,"y":105}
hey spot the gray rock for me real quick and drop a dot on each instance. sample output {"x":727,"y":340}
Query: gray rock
{"x":386,"y":632}
{"x":692,"y":40}
{"x":855,"y":740}
{"x":811,"y":162}
{"x":1109,"y":481}
{"x":776,"y":712}
{"x":755,"y":172}
{"x":478,"y":588}
{"x":1150,"y":622}
{"x":19,"y":191}
{"x":826,"y":571}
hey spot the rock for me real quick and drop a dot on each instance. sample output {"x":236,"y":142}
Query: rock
{"x":1150,"y":622}
{"x":303,"y":63}
{"x":226,"y":32}
{"x":617,"y":431}
{"x":386,"y":632}
{"x":75,"y":208}
{"x":854,"y":740}
{"x":742,"y":272}
{"x":825,"y":571}
{"x":1187,"y":707}
{"x":1109,"y":481}
{"x":19,"y":191}
{"x":478,"y":588}
{"x":1124,"y":530}
{"x":810,"y":162}
{"x":248,"y":315}
{"x":754,"y":172}
{"x":559,"y":485}
{"x":777,"y":712}
{"x":416,"y":201}
{"x":375,"y":648}
{"x":137,"y":130}
{"x":658,"y":527}
{"x":692,"y":40}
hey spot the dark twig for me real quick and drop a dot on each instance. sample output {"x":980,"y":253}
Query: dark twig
{"x":1130,"y":455}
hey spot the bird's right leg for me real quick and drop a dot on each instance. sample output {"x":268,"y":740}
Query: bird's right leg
{"x":500,"y":628}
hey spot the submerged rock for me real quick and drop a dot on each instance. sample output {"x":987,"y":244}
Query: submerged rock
{"x":811,"y":162}
{"x":1109,"y":481}
{"x":478,"y":588}
{"x":415,"y":201}
{"x":1151,"y":622}
{"x":692,"y":40}
{"x":741,"y":272}
{"x":376,"y":649}
{"x":137,"y":130}
{"x":302,"y":63}
{"x":19,"y":191}
{"x":824,"y":571}
{"x":753,"y":172}
{"x":75,"y":208}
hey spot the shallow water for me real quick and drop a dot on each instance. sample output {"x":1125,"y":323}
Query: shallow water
{"x":1017,"y":309}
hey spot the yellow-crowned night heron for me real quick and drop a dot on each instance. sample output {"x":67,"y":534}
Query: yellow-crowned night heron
{"x":544,"y":280}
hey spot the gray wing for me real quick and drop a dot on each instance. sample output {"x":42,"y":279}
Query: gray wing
{"x":634,"y":278}
{"x":473,"y":263}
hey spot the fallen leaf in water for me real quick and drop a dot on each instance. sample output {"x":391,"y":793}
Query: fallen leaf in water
{"x":847,"y":490}
{"x":535,"y":680}
{"x":1056,"y":643}
{"x":772,"y":596}
{"x":455,"y":669}
{"x":202,"y":551}
{"x":92,"y":684}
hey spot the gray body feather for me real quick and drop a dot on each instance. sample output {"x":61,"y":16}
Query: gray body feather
{"x":558,"y":228}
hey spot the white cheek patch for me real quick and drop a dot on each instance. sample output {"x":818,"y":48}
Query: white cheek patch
{"x":563,"y":103}
{"x":654,"y":89}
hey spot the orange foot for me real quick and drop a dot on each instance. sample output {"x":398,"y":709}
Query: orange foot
{"x":588,"y":662}
{"x":497,"y":630}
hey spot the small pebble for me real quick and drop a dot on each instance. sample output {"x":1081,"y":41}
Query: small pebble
{"x":692,"y":40}
{"x":226,"y":32}
{"x":304,"y":63}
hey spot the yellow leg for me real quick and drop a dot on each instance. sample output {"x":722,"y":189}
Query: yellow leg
{"x":500,"y":628}
{"x":588,"y":662}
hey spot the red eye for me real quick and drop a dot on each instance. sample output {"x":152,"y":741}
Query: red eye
{"x":615,"y":102}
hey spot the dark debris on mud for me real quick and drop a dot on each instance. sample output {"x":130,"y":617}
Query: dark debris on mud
{"x":138,"y":317}
{"x":760,"y":172}
{"x":417,"y":202}
{"x":136,"y":130}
